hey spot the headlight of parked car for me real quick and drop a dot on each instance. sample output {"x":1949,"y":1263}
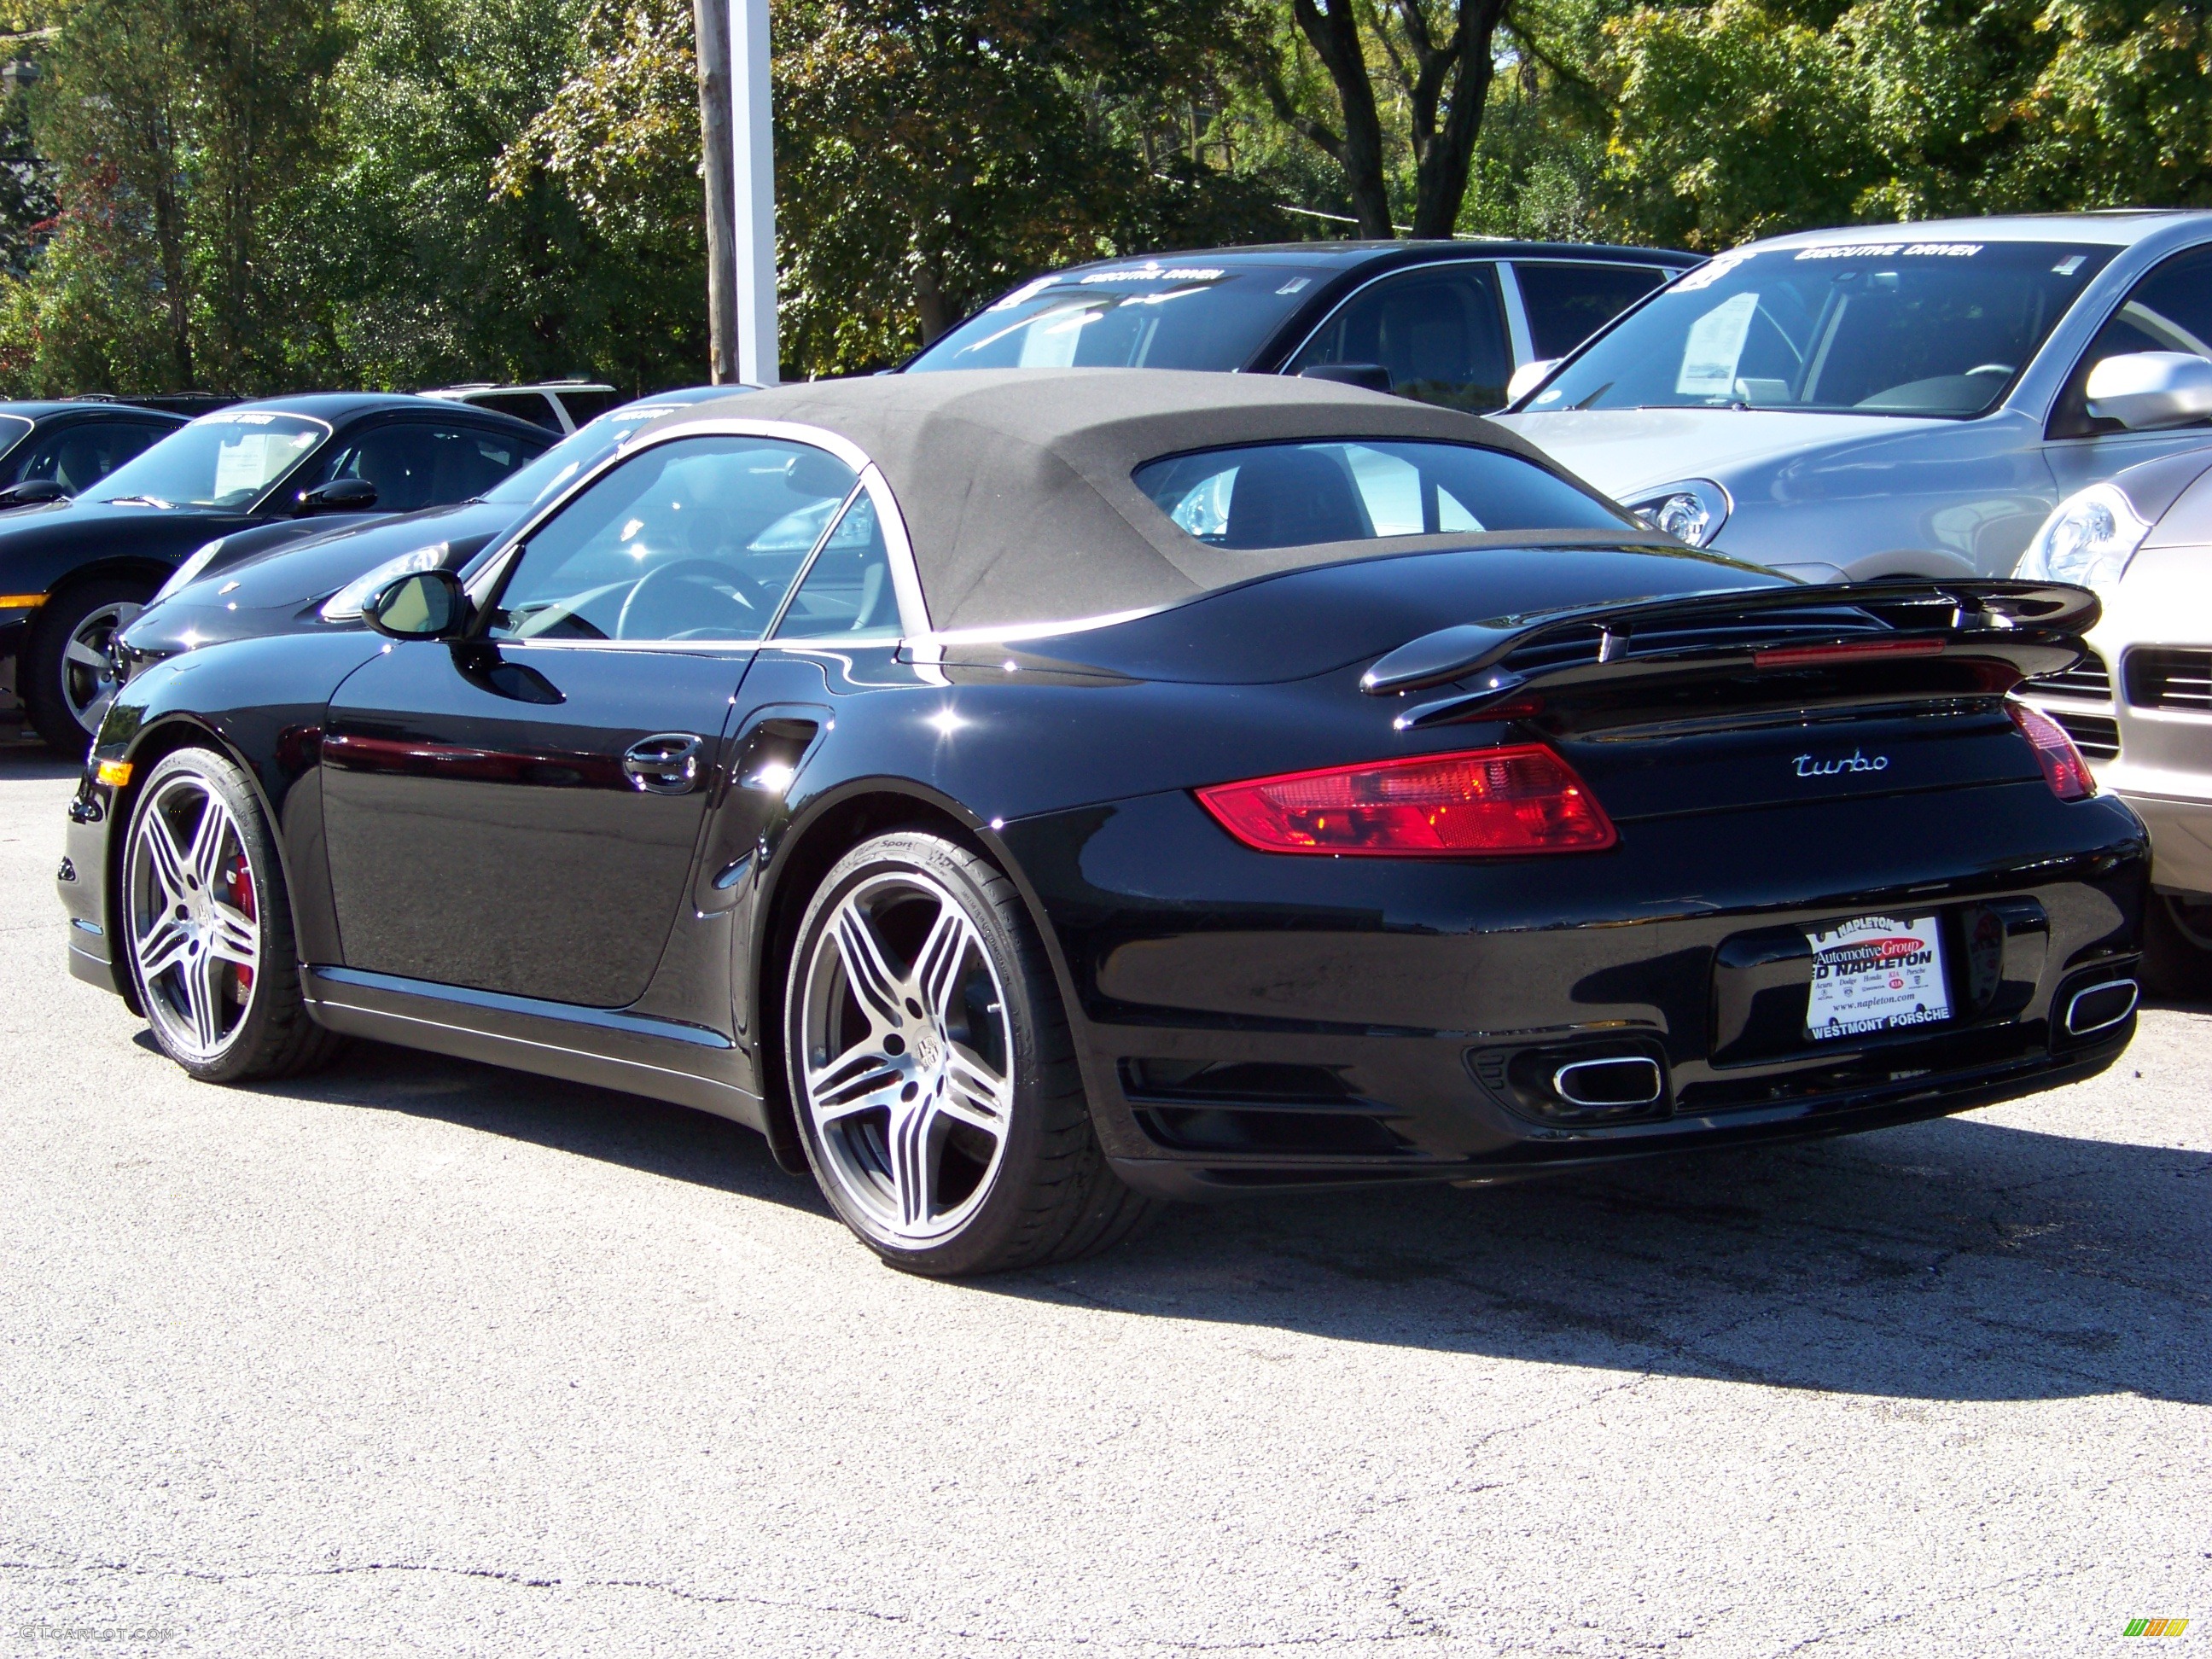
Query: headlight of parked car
{"x":345,"y":605}
{"x":2087,"y":539}
{"x":1694,"y":510}
{"x":189,"y":572}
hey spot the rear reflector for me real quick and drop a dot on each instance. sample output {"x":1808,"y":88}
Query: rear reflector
{"x":2064,"y":769}
{"x":1519,"y":799}
{"x":1815,"y":656}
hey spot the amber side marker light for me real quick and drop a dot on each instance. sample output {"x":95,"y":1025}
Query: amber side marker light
{"x":113,"y":774}
{"x":2064,"y":769}
{"x":1524,"y":798}
{"x":21,"y":601}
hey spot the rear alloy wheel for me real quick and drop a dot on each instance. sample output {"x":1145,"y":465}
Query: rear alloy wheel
{"x":208,"y":926}
{"x":931,"y":1066}
{"x":69,"y":679}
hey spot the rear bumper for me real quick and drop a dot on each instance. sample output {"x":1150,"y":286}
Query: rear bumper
{"x":1248,"y":1021}
{"x":2181,"y":835}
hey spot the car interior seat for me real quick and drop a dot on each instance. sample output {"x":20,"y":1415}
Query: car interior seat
{"x":1287,"y":496}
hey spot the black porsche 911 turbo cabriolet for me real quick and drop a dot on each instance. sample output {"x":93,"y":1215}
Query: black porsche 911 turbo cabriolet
{"x":1133,"y":785}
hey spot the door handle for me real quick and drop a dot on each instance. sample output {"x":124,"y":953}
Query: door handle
{"x":666,"y":764}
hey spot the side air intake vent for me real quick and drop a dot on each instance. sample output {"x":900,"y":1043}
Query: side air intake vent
{"x":2097,"y":736}
{"x":2086,"y":678}
{"x":1257,"y":1107}
{"x":2165,"y":679}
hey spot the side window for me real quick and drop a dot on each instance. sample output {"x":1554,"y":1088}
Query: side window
{"x":77,"y":457}
{"x":585,"y":404}
{"x":848,"y":590}
{"x":2169,"y":310}
{"x":1440,"y":332}
{"x":419,"y":464}
{"x":1566,"y":302}
{"x":531,"y":406}
{"x":693,"y":540}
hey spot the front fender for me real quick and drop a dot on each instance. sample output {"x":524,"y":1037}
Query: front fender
{"x":259,"y":701}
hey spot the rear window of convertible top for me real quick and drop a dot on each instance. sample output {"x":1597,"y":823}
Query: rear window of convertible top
{"x":1296,"y":494}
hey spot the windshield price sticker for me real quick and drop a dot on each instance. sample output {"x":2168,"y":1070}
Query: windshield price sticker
{"x":1875,"y":974}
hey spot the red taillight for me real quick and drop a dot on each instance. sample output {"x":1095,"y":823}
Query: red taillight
{"x":2064,"y":769}
{"x":1815,"y":656}
{"x":1519,"y":799}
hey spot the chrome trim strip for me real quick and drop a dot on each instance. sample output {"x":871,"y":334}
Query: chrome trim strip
{"x":1516,"y":314}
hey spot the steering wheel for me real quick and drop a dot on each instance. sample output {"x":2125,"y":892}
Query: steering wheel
{"x":668,"y":600}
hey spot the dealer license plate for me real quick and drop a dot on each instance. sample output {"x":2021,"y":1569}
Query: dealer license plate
{"x":1875,"y":974}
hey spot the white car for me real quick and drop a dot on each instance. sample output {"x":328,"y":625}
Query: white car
{"x":2139,"y":707}
{"x":1893,"y":400}
{"x":557,"y":405}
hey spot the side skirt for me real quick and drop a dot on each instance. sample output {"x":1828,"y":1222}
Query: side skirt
{"x":662,"y":1058}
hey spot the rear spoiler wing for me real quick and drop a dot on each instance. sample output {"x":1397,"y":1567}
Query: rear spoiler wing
{"x":1812,"y":625}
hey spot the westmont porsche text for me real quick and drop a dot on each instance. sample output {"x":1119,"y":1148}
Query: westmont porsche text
{"x":1022,"y":796}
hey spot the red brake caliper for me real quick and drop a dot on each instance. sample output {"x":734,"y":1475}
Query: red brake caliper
{"x":239,"y":882}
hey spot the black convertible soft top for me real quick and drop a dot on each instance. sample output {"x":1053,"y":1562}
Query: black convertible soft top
{"x":1015,"y":483}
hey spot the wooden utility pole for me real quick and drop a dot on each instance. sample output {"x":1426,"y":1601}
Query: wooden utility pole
{"x":710,"y":22}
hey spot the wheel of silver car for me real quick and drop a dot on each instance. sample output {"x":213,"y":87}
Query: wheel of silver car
{"x":195,"y":926}
{"x":906,"y":1074}
{"x":208,"y":925}
{"x":933,"y":1072}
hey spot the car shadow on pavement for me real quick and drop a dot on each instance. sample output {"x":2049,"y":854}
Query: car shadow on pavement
{"x":1959,"y":1259}
{"x":1952,"y":1260}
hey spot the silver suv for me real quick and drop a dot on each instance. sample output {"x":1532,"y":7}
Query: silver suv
{"x":1893,"y":400}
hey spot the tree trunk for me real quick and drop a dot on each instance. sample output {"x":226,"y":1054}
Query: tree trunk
{"x":1443,"y":156}
{"x":1335,"y":36}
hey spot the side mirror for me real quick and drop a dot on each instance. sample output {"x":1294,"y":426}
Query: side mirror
{"x":31,"y":491}
{"x":1527,"y":378}
{"x":2143,"y":390}
{"x":1372,"y":377}
{"x":426,"y":605}
{"x":338,"y":495}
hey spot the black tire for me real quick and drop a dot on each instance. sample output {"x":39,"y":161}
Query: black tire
{"x":2174,"y":965}
{"x":1047,"y":1193}
{"x":264,"y":1031}
{"x":48,"y":680}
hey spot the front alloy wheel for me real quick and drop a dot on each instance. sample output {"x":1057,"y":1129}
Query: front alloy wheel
{"x":933,"y":1072}
{"x":207,"y":925}
{"x":195,"y":923}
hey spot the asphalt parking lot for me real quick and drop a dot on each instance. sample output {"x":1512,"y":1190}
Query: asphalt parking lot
{"x":418,"y":1357}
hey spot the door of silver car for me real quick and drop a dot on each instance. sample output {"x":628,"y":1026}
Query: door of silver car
{"x":2169,"y":309}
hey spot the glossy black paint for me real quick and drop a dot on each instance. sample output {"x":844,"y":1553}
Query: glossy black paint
{"x":1352,"y":265}
{"x":473,"y":872}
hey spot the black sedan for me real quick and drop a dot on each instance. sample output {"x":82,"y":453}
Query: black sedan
{"x":1459,"y":324}
{"x":1024,"y":796}
{"x":51,"y":450}
{"x":72,"y":573}
{"x":294,"y":575}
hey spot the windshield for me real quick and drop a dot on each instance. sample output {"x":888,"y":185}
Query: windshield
{"x":223,"y":459}
{"x":1294,"y":495}
{"x":1872,"y":328}
{"x":1147,"y":316}
{"x":586,"y":447}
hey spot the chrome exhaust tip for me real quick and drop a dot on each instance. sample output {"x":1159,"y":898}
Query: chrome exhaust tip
{"x":2099,"y":1007}
{"x":1620,"y":1080}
